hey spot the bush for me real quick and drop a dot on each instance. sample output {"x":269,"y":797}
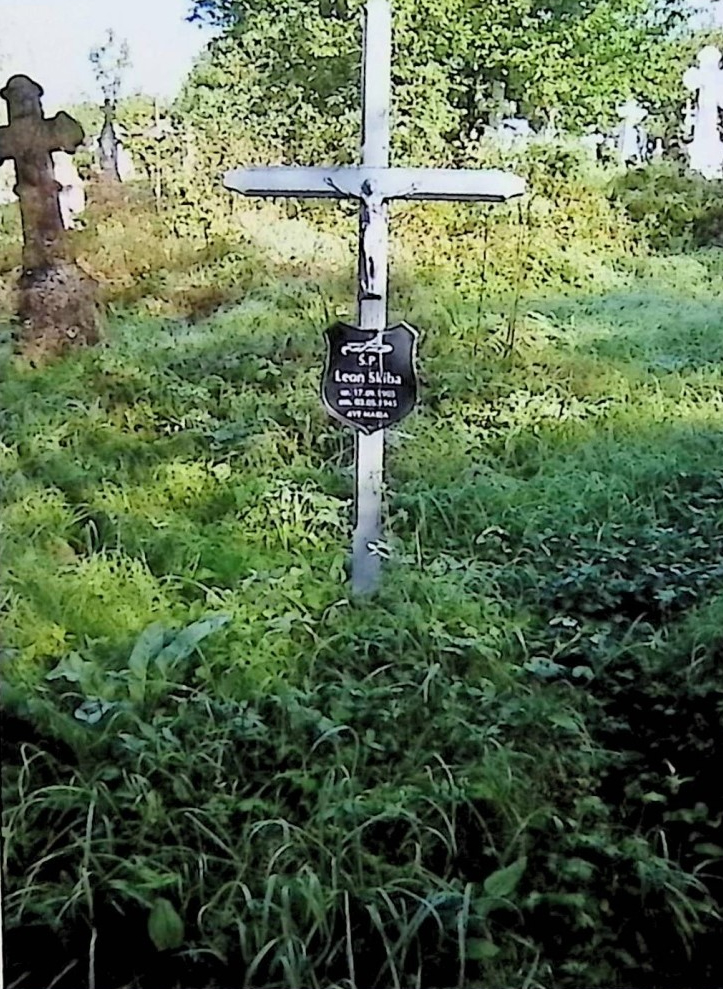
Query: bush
{"x":674,"y":209}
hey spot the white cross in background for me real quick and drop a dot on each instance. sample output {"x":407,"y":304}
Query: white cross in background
{"x":374,"y":184}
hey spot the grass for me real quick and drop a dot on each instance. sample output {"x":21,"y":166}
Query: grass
{"x":503,"y":771}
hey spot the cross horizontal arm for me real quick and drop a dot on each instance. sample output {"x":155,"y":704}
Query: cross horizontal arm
{"x":357,"y":182}
{"x":454,"y":184}
{"x":299,"y":183}
{"x":30,"y":135}
{"x":65,"y":133}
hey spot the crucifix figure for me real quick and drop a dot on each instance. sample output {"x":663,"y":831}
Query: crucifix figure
{"x":706,"y":83}
{"x":56,"y":299}
{"x":374,"y":184}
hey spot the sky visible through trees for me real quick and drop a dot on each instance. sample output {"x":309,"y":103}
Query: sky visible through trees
{"x":50,"y":39}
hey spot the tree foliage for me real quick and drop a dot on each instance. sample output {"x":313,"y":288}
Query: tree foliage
{"x":289,"y":73}
{"x":110,"y":60}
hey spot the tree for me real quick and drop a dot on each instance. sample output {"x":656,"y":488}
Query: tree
{"x":109,"y":61}
{"x":287,"y":74}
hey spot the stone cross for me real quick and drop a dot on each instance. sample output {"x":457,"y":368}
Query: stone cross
{"x":57,"y":302}
{"x":72,"y":190}
{"x":29,"y":139}
{"x":631,"y":136}
{"x":592,"y":142}
{"x":374,"y":184}
{"x":706,"y":83}
{"x":108,"y":145}
{"x":126,"y":166}
{"x":501,"y":106}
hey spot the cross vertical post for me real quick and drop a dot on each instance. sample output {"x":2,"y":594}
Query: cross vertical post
{"x":373,"y":277}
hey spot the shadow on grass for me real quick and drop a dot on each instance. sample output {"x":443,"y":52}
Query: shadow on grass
{"x":140,"y":258}
{"x":658,"y":331}
{"x":496,"y":445}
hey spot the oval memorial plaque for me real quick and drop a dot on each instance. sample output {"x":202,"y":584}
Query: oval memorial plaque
{"x":370,"y":383}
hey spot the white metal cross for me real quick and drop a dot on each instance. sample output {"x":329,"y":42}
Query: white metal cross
{"x":374,"y":184}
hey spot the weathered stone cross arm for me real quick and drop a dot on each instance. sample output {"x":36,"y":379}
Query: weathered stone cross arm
{"x":364,"y":182}
{"x":58,"y":133}
{"x":28,"y":131}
